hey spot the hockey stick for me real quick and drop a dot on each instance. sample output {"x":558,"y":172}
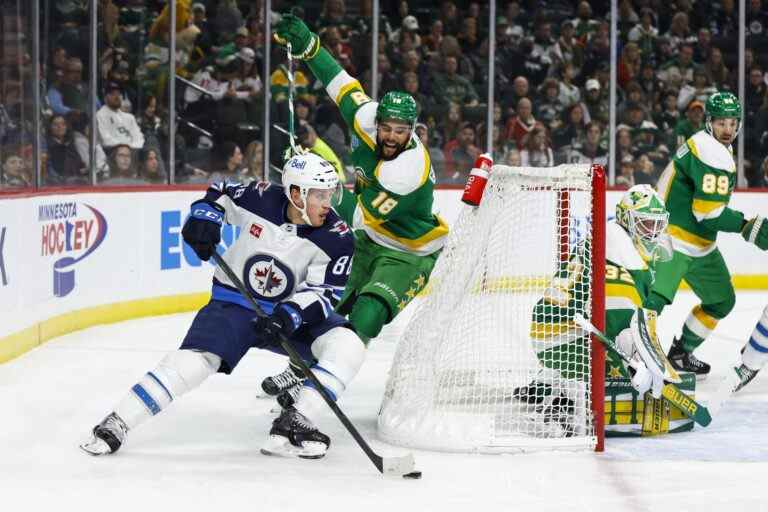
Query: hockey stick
{"x":291,"y":92}
{"x":394,"y":466}
{"x":671,"y":392}
{"x":724,"y":390}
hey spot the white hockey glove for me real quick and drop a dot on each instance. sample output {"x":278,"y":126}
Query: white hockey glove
{"x":644,"y":380}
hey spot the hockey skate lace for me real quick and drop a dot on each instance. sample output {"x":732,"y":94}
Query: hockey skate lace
{"x":286,"y":379}
{"x":301,"y":421}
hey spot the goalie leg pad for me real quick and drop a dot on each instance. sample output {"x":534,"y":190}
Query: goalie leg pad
{"x":648,"y":347}
{"x":177,"y":373}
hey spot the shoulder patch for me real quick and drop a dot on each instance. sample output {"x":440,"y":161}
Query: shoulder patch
{"x":406,"y":173}
{"x":620,"y":249}
{"x":707,"y":149}
{"x":365,"y":123}
{"x":334,"y":238}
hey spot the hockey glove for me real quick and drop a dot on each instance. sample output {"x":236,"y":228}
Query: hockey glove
{"x":285,"y":319}
{"x":644,"y":380}
{"x":202,"y":230}
{"x":304,"y":42}
{"x":755,"y":231}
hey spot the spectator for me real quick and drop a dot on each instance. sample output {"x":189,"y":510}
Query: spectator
{"x":14,"y":173}
{"x":567,"y":49}
{"x":70,"y":93}
{"x":411,"y":25}
{"x":228,"y":20}
{"x":703,"y":46}
{"x":583,"y":24}
{"x":334,"y":14}
{"x":572,"y":132}
{"x":155,"y":133}
{"x":628,"y":18}
{"x":680,"y":32}
{"x":231,"y":159}
{"x":548,"y":108}
{"x":650,"y":86}
{"x":693,"y":122}
{"x":522,"y":123}
{"x":520,"y":89}
{"x":64,"y":164}
{"x":468,"y":37}
{"x":646,"y":143}
{"x":626,"y":175}
{"x":596,"y":106}
{"x":645,"y":172}
{"x":122,"y":168}
{"x":151,"y":167}
{"x":451,"y":87}
{"x":725,"y":22}
{"x":537,"y":151}
{"x":569,"y":94}
{"x":629,"y":65}
{"x":460,"y":154}
{"x":116,"y":127}
{"x":668,"y":118}
{"x":635,"y":115}
{"x":80,"y":128}
{"x":623,"y":142}
{"x":645,"y":33}
{"x":512,"y":158}
{"x":411,"y":86}
{"x":433,"y":40}
{"x":674,"y":72}
{"x":307,"y":137}
{"x":422,"y":132}
{"x":762,"y":182}
{"x":449,"y":15}
{"x":590,"y":150}
{"x":755,"y":93}
{"x":700,"y":89}
{"x":717,"y":73}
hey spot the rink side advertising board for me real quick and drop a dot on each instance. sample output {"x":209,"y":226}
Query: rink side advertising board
{"x":74,"y":259}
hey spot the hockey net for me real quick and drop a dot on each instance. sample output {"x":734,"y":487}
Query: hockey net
{"x":475,"y":369}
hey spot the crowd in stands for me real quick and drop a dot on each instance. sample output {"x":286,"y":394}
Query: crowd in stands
{"x":551,"y":82}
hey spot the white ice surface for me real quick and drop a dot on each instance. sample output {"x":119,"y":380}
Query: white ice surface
{"x":203,"y":452}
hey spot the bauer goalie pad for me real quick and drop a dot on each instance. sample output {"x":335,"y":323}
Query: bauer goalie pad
{"x":647,"y":346}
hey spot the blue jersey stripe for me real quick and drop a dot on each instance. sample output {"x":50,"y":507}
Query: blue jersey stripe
{"x":145,"y":397}
{"x":762,"y":329}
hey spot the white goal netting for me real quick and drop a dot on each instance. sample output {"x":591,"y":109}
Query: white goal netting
{"x":486,"y":363}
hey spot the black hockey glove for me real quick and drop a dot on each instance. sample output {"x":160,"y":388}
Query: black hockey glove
{"x":285,"y":319}
{"x":202,"y":230}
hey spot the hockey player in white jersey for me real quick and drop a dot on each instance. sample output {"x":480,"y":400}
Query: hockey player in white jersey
{"x":293,"y":255}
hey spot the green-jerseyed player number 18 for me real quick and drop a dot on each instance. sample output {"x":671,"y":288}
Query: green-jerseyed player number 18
{"x":383,"y":203}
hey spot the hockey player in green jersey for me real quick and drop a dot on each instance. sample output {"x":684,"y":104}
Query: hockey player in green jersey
{"x":634,"y":242}
{"x":397,"y":235}
{"x":696,"y":187}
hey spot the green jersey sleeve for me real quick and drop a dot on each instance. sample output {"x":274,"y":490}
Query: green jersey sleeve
{"x":343,"y":89}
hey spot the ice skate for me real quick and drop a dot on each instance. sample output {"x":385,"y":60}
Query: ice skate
{"x":107,"y":436}
{"x":745,"y":376}
{"x":293,"y":435}
{"x":683,"y":361}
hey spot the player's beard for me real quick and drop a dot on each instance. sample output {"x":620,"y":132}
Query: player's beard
{"x":380,"y":150}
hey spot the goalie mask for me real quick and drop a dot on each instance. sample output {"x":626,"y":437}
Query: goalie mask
{"x":310,"y":173}
{"x":641,"y":212}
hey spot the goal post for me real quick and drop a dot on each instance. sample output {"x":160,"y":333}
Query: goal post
{"x":491,"y":360}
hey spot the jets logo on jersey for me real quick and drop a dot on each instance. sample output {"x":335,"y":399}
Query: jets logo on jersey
{"x":340,"y":227}
{"x":268,"y":278}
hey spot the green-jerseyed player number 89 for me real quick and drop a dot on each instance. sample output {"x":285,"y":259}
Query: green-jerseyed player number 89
{"x":711,"y":184}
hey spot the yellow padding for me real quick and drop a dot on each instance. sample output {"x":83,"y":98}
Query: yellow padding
{"x":25,"y":340}
{"x":706,"y":320}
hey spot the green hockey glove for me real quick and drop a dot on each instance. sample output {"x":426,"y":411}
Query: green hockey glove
{"x":755,"y":231}
{"x":304,"y":42}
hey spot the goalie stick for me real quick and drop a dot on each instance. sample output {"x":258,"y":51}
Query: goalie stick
{"x":671,"y":392}
{"x":393,"y":466}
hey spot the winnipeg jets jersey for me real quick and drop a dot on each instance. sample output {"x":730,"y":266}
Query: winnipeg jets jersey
{"x":279,"y":261}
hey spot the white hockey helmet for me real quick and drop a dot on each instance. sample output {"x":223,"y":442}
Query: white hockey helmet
{"x":309,"y":171}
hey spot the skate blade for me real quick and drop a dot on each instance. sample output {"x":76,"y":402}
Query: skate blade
{"x":96,"y":447}
{"x":279,"y":446}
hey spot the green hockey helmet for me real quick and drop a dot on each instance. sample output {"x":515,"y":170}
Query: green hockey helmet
{"x":399,"y":106}
{"x":641,"y":212}
{"x":722,"y":105}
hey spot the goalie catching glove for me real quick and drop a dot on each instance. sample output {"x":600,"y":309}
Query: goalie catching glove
{"x":755,"y":231}
{"x":647,"y":359}
{"x":304,"y":43}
